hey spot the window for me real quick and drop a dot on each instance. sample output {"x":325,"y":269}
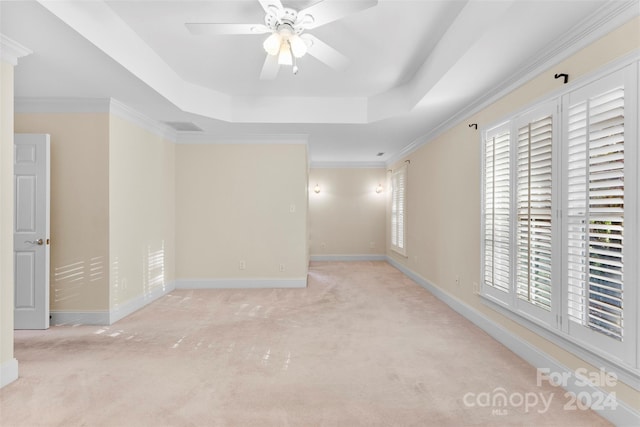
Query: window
{"x":497,"y":233}
{"x":535,"y":146}
{"x":534,"y":212}
{"x":601,"y":212}
{"x":398,"y":210}
{"x":560,"y":188}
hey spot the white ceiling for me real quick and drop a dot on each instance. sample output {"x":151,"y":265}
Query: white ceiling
{"x":415,"y":65}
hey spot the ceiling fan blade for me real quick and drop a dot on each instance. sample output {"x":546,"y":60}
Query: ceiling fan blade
{"x":327,"y":11}
{"x":212,"y":29}
{"x":268,"y":4}
{"x":325,"y":53}
{"x":270,"y":68}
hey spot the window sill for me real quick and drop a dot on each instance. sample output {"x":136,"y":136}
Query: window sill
{"x":627,"y":374}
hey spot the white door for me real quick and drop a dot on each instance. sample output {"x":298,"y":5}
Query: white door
{"x":31,"y":231}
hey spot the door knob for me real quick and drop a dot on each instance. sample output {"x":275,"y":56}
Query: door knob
{"x":35,"y":242}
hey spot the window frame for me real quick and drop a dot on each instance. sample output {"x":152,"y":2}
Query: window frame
{"x":498,"y":296}
{"x":557,"y":328}
{"x":631,"y":253}
{"x":399,"y":195}
{"x":523,"y":307}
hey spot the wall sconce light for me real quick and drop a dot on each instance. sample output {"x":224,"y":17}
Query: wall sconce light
{"x":379,"y":189}
{"x":316,"y":189}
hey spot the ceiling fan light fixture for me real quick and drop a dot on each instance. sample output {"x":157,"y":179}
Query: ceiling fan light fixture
{"x":287,"y":39}
{"x":285,"y":57}
{"x":298,"y":46}
{"x":273,"y":44}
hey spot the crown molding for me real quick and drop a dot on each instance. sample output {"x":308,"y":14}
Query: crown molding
{"x":414,"y":145}
{"x":11,"y":50}
{"x":606,"y":19}
{"x":347,"y":165}
{"x":596,"y":74}
{"x":94,"y":105}
{"x":208,"y":138}
{"x":123,"y":111}
{"x":97,"y":22}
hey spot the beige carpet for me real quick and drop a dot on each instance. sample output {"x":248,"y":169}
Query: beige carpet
{"x":362,"y":346}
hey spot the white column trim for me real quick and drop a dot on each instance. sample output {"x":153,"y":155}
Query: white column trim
{"x":98,"y":318}
{"x":11,"y":50}
{"x":123,"y":310}
{"x":8,"y":372}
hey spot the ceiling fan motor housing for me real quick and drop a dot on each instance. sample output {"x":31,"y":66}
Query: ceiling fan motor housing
{"x":283,"y":20}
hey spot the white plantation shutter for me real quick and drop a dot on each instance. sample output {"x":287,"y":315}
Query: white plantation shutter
{"x":560,"y":218}
{"x":596,"y":212}
{"x":534,"y":212}
{"x":497,"y":200}
{"x":398,"y":209}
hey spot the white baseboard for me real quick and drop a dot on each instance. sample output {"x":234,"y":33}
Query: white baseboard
{"x":622,"y":415}
{"x":241,"y":283}
{"x":8,"y":372}
{"x":105,"y":318}
{"x":363,"y":257}
{"x":59,"y":318}
{"x":123,"y":310}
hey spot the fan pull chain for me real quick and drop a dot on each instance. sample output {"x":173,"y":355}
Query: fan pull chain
{"x":295,"y":65}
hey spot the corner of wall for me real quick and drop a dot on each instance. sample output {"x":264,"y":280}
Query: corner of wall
{"x":8,"y":364}
{"x":8,"y":372}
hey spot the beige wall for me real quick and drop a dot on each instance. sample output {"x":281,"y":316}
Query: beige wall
{"x":233,"y":203}
{"x":6,"y":213}
{"x":347,"y":217}
{"x":112,"y":209}
{"x":79,"y":207}
{"x":141,"y":211}
{"x":443,"y":196}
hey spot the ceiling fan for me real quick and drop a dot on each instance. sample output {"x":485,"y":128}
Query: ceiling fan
{"x":288,"y":39}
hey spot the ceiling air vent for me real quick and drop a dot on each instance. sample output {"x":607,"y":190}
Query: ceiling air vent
{"x":184,"y":126}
